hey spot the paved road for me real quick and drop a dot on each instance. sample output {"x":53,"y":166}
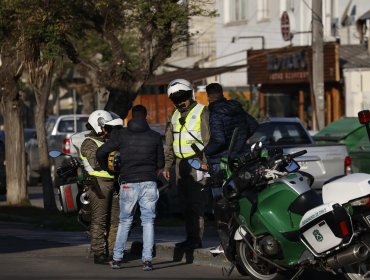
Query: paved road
{"x":27,"y":253}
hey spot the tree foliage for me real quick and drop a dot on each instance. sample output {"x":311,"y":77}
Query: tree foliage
{"x":122,"y":42}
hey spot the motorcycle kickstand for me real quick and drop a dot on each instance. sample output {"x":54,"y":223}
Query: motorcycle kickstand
{"x":227,"y":271}
{"x":298,"y":273}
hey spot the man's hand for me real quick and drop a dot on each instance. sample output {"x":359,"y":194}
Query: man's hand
{"x":204,"y":166}
{"x":166,"y":174}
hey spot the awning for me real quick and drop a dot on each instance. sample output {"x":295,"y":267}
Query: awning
{"x":365,"y":16}
{"x":190,"y":74}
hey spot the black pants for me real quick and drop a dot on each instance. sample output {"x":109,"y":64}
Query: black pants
{"x":192,"y":197}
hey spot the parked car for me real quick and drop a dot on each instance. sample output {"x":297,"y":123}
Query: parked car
{"x":59,"y":130}
{"x":323,"y":161}
{"x":29,"y":133}
{"x":350,"y":132}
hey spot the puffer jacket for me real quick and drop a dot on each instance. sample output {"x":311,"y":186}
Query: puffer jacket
{"x":225,"y":116}
{"x":141,"y":151}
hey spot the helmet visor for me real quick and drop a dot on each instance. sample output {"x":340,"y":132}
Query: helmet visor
{"x":181,"y":96}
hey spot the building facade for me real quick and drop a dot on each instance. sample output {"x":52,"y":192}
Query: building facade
{"x":262,"y":27}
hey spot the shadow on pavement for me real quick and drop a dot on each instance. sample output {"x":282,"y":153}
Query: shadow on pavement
{"x":9,"y":244}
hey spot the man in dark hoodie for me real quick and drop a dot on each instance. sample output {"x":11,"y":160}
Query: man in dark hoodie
{"x":141,"y":152}
{"x":224,"y":116}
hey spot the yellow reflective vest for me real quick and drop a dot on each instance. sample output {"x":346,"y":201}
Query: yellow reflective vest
{"x":88,"y":167}
{"x":187,"y":133}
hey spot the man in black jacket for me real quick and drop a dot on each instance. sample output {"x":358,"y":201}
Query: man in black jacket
{"x":225,"y":116}
{"x":141,"y":152}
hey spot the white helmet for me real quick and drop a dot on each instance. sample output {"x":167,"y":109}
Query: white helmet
{"x":177,"y":85}
{"x":98,"y":119}
{"x":116,"y":120}
{"x":180,"y":90}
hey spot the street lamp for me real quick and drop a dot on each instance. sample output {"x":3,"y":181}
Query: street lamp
{"x":235,"y":38}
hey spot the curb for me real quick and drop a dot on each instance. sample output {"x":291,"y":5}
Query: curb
{"x":197,"y":256}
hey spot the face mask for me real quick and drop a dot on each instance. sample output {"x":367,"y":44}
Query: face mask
{"x":180,"y":106}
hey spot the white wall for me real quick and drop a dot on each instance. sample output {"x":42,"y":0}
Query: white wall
{"x":229,"y":53}
{"x":357,"y":90}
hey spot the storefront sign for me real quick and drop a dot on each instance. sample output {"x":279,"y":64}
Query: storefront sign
{"x":291,"y":61}
{"x":290,"y":65}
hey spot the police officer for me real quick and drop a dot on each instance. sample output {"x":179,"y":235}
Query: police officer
{"x":104,"y":205}
{"x":187,"y":125}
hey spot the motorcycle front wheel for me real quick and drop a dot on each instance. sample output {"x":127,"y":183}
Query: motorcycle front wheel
{"x":257,"y":268}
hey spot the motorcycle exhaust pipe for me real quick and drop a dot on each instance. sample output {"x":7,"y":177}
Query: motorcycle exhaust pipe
{"x":351,"y":255}
{"x":84,"y":199}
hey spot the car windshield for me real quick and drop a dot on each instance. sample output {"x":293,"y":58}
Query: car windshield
{"x":68,"y":125}
{"x":277,"y":134}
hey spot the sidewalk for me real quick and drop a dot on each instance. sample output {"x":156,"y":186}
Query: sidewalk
{"x":165,"y":239}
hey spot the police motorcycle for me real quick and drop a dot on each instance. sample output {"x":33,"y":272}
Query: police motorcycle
{"x":73,"y":186}
{"x":272,"y":225}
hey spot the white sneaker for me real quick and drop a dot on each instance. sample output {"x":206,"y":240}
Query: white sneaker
{"x":217,"y":250}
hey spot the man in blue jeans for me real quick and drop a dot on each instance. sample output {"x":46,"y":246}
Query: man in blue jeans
{"x":141,"y":151}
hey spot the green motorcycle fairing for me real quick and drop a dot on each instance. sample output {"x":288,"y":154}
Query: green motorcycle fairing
{"x":271,"y":215}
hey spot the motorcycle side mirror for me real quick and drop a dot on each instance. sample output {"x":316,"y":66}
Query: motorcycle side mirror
{"x":292,"y":166}
{"x":194,"y":163}
{"x":55,"y":154}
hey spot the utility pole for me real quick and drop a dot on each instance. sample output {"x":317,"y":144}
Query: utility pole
{"x":318,"y":64}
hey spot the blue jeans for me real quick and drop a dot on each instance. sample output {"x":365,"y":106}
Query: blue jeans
{"x":146,"y":194}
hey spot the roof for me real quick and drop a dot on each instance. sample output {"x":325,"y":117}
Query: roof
{"x":365,"y":16}
{"x":354,"y":56}
{"x":338,"y":129}
{"x":190,"y":74}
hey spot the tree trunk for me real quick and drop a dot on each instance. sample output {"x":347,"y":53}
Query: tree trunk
{"x":42,"y":93}
{"x":120,"y":101}
{"x":14,"y":148}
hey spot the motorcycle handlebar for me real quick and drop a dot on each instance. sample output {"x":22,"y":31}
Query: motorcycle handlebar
{"x":69,"y":168}
{"x":296,"y":154}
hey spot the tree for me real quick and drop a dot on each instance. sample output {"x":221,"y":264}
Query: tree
{"x":133,"y":38}
{"x":11,"y":68}
{"x":32,"y":35}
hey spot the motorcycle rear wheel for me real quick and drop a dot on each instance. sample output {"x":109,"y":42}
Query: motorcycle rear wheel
{"x":358,"y":271}
{"x":258,"y":270}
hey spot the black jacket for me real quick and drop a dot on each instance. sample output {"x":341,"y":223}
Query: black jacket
{"x":141,"y":151}
{"x":225,"y":116}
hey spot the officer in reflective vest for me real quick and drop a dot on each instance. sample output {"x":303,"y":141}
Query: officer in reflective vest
{"x":186,"y":126}
{"x":104,"y":205}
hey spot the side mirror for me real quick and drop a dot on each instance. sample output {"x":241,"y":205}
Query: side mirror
{"x":194,"y":163}
{"x":55,"y":154}
{"x":364,"y":118}
{"x":292,"y":166}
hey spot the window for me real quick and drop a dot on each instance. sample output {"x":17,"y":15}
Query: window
{"x":68,"y":125}
{"x":263,"y":10}
{"x":278,"y":134}
{"x":235,"y":10}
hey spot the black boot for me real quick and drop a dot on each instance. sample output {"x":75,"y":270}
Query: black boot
{"x":101,"y":259}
